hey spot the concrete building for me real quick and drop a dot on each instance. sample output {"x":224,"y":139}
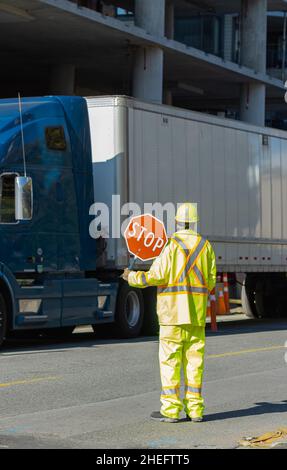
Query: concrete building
{"x":222,"y":57}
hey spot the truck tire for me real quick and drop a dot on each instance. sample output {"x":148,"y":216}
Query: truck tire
{"x":248,"y":303}
{"x":129,"y":312}
{"x":3,"y":319}
{"x":248,"y":297}
{"x":150,"y":321}
{"x":264,"y":295}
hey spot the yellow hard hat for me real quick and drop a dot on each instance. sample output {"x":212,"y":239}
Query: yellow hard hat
{"x":187,"y":213}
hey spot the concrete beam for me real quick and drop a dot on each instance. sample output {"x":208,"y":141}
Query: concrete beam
{"x":88,"y":19}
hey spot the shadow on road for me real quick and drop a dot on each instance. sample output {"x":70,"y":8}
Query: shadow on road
{"x":260,"y":408}
{"x":88,"y":340}
{"x":249,"y":326}
{"x":78,"y":340}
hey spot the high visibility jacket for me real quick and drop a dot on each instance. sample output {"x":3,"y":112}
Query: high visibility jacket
{"x":184,"y":273}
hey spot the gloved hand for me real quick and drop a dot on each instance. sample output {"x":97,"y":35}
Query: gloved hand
{"x":125,"y":274}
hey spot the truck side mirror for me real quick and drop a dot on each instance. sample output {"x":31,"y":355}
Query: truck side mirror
{"x":23,"y":198}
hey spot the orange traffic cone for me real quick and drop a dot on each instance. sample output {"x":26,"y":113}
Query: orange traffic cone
{"x":208,"y":310}
{"x":226,"y":292}
{"x":213,"y":301}
{"x":221,"y":310}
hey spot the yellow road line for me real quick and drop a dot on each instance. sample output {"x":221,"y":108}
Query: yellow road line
{"x":27,"y":381}
{"x":210,"y":356}
{"x":244,"y":351}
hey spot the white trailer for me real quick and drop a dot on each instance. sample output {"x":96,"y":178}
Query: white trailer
{"x":237,"y":173}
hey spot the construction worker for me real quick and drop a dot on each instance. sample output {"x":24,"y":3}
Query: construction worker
{"x":184,"y":273}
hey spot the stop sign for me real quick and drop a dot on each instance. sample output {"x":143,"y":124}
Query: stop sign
{"x":145,"y":236}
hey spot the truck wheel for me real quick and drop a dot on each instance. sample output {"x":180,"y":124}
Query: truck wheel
{"x":129,"y":312}
{"x":248,"y":297}
{"x":264,"y":296}
{"x":248,"y":303}
{"x":3,"y":319}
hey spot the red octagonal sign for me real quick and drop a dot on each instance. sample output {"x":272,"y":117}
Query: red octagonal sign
{"x":145,"y":236}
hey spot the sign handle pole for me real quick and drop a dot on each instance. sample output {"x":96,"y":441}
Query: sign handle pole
{"x":132,"y":263}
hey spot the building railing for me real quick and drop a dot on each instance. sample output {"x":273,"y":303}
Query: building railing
{"x":97,"y":5}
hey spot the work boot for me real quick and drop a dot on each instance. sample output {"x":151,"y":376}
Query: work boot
{"x":157,"y":416}
{"x":199,"y":419}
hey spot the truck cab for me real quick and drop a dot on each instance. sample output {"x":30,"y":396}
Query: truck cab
{"x":48,"y":261}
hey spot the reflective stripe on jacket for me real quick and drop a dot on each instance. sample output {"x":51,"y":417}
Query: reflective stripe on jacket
{"x":184,"y":273}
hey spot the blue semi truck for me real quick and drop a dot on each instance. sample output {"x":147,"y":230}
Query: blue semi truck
{"x":49,"y":278}
{"x":61,"y":158}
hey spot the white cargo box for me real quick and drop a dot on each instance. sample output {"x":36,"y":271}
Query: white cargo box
{"x":237,"y":174}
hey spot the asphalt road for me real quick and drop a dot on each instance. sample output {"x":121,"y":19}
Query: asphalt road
{"x":92,"y":393}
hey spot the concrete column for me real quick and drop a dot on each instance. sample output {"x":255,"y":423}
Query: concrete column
{"x":148,"y":74}
{"x":63,"y":80}
{"x":148,"y":61}
{"x":252,"y":104}
{"x":168,"y":98}
{"x":228,"y":37}
{"x":169,"y":19}
{"x":254,"y":34}
{"x":253,"y":55}
{"x":150,"y":15}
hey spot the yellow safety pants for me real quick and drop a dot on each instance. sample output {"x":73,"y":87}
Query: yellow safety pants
{"x":181,"y":346}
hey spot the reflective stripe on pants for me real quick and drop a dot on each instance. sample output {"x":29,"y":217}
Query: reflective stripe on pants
{"x":181,"y":346}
